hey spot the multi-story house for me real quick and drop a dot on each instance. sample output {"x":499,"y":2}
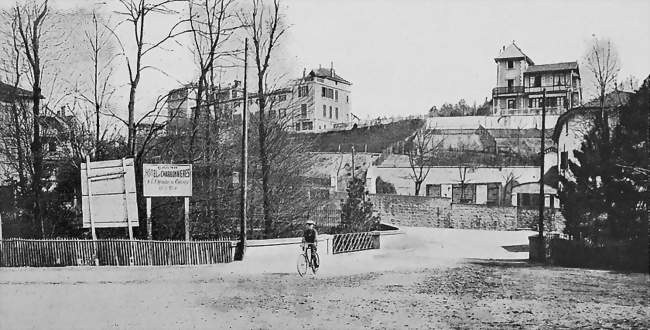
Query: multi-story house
{"x":317,"y":102}
{"x":521,"y":83}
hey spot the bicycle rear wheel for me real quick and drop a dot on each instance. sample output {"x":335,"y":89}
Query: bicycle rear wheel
{"x":301,"y":264}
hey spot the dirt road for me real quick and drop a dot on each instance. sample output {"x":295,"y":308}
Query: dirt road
{"x":417,"y":280}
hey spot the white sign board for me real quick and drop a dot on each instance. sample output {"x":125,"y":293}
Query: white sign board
{"x":112,"y":191}
{"x":166,"y":180}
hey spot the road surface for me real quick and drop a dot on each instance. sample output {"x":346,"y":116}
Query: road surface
{"x":421,"y":279}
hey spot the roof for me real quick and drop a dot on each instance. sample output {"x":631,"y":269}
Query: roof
{"x":9,"y":92}
{"x":613,"y":101}
{"x":513,"y":52}
{"x":328,"y":74}
{"x":532,"y":188}
{"x":564,"y":66}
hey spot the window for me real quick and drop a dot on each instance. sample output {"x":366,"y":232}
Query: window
{"x":434,"y":190}
{"x":336,"y":112}
{"x":511,"y":64}
{"x":303,"y":91}
{"x":511,"y":85}
{"x":297,"y":126}
{"x":330,"y":111}
{"x":552,"y":102}
{"x":467,"y":196}
{"x":528,"y":200}
{"x":282,"y":98}
{"x":535,"y":102}
{"x":493,"y":193}
{"x":327,"y":92}
{"x":303,"y":110}
{"x":564,"y":160}
{"x":336,"y":96}
{"x":347,"y":99}
{"x":307,"y":126}
{"x":324,"y":111}
{"x":537,"y":81}
{"x":512,"y":104}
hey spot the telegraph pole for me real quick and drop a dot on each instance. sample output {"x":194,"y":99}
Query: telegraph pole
{"x":241,"y":247}
{"x":353,"y":162}
{"x":540,"y":225}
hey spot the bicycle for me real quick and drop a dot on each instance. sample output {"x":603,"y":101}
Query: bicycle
{"x":305,"y":261}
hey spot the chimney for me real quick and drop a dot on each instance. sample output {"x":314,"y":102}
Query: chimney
{"x":304,"y":72}
{"x":62,"y":111}
{"x":332,"y":69}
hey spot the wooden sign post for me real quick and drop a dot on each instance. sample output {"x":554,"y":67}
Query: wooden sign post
{"x":168,"y":180}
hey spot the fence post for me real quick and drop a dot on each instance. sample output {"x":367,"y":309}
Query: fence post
{"x":375,"y":239}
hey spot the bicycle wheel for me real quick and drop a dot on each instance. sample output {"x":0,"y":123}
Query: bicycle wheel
{"x":315,"y":261}
{"x":301,"y":264}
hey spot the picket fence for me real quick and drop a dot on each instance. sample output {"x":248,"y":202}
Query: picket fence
{"x":116,"y":252}
{"x":352,"y":242}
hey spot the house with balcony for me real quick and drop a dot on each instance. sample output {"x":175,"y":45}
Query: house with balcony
{"x":521,"y":85}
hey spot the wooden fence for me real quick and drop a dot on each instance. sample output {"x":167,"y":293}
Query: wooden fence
{"x":342,"y":243}
{"x":72,"y":252}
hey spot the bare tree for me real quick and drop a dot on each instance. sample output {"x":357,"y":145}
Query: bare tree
{"x":465,"y":165}
{"x":212,"y":23}
{"x":101,"y":56}
{"x":31,"y":18}
{"x":266,"y":27}
{"x":602,"y":62}
{"x":421,"y":151}
{"x":136,"y":13}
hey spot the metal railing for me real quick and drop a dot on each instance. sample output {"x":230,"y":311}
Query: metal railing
{"x":355,"y":242}
{"x":507,"y":90}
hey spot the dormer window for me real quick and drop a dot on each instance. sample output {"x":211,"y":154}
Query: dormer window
{"x":511,"y":64}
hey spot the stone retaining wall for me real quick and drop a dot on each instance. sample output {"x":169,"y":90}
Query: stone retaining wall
{"x":412,"y":211}
{"x":473,"y":216}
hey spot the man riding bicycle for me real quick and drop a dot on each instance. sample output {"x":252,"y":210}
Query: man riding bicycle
{"x":310,"y":240}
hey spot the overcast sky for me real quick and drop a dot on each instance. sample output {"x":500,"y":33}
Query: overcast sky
{"x":405,"y":56}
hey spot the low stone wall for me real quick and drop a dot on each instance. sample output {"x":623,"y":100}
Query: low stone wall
{"x":436,"y":212}
{"x":413,"y":211}
{"x":472,"y":216}
{"x":553,"y":219}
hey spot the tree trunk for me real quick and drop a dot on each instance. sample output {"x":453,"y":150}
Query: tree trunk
{"x":266,"y":206}
{"x":37,"y":151}
{"x":418,"y":185}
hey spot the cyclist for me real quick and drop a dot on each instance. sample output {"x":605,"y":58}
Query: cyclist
{"x":310,"y":240}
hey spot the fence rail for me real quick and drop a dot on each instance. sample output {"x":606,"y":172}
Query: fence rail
{"x":64,"y":252}
{"x":352,"y":242}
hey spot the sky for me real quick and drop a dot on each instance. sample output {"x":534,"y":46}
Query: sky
{"x":405,"y":56}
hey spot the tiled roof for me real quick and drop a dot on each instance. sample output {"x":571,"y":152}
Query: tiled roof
{"x":327,"y":73}
{"x":8,"y":92}
{"x":553,"y":67}
{"x":513,"y":52}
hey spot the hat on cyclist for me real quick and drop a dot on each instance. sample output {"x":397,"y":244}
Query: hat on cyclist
{"x":309,"y":222}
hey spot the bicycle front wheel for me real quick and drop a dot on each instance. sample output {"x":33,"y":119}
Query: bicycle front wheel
{"x":301,"y":264}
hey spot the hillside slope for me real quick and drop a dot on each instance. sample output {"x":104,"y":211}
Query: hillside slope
{"x":375,"y":138}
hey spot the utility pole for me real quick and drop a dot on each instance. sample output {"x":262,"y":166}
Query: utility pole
{"x":353,"y":169}
{"x":239,"y":253}
{"x":540,"y":225}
